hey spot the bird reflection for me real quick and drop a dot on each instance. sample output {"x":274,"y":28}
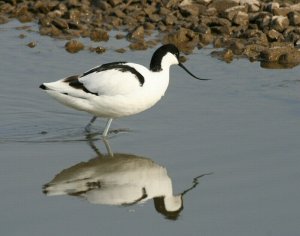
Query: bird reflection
{"x":121,"y":180}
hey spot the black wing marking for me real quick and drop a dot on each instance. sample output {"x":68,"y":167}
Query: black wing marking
{"x":117,"y":66}
{"x":75,"y":83}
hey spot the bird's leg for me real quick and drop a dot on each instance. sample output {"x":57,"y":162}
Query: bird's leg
{"x":105,"y":132}
{"x":88,"y":126}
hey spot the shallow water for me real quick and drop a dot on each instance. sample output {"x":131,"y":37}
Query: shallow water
{"x":242,"y":128}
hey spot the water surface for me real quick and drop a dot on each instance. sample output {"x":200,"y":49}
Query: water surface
{"x":242,"y":126}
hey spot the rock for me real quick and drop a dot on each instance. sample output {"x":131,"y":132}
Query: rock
{"x":231,"y":12}
{"x":274,"y":35}
{"x":294,"y":18}
{"x":115,"y":2}
{"x":241,"y":18}
{"x":189,"y":10}
{"x":273,"y":54}
{"x":137,"y":34}
{"x":170,"y":19}
{"x":185,"y":39}
{"x":22,"y":36}
{"x":253,"y":5}
{"x":60,"y":23}
{"x":205,"y":35}
{"x":140,"y":45}
{"x":225,"y":55}
{"x":31,"y":44}
{"x":253,"y":51}
{"x":3,"y":19}
{"x":6,"y":8}
{"x":98,"y":35}
{"x":263,"y":20}
{"x":120,"y":36}
{"x":292,"y":58}
{"x":98,"y":49}
{"x":222,"y":5}
{"x":237,"y":47}
{"x":74,"y":46}
{"x":25,"y":17}
{"x":279,"y":23}
{"x":120,"y":50}
{"x":271,"y":6}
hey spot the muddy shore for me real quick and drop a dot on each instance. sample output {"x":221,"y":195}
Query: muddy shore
{"x":257,"y":30}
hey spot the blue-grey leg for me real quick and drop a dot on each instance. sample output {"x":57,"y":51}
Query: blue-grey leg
{"x":105,"y":132}
{"x":88,"y":126}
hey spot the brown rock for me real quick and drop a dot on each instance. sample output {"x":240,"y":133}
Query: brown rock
{"x":253,"y":5}
{"x":31,"y":44}
{"x":137,"y":33}
{"x":279,"y":23}
{"x":185,"y":39}
{"x":189,"y":10}
{"x":25,"y":17}
{"x":140,"y":45}
{"x":237,"y":47}
{"x":225,"y":55}
{"x":115,"y":2}
{"x":120,"y":36}
{"x":98,"y":35}
{"x":241,"y":18}
{"x":3,"y":19}
{"x":271,"y":6}
{"x":253,"y":51}
{"x":6,"y":8}
{"x":294,"y":18}
{"x":293,"y":57}
{"x":170,"y":19}
{"x":120,"y":50}
{"x":73,"y":46}
{"x":98,"y":49}
{"x":231,"y":12}
{"x":274,"y":35}
{"x":60,"y":23}
{"x":74,"y":14}
{"x":273,"y":54}
{"x":222,"y":5}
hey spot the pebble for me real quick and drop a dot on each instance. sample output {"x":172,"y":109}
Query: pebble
{"x":242,"y":27}
{"x":74,"y":46}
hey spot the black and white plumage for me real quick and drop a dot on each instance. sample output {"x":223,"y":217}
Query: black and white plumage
{"x":117,"y":89}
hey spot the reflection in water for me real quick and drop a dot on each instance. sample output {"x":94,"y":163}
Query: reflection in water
{"x":120,"y":179}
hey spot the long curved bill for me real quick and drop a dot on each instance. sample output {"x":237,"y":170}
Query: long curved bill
{"x":183,"y":67}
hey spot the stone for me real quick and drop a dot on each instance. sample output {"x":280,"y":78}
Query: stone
{"x":292,"y":58}
{"x":222,"y":5}
{"x":225,"y":55}
{"x":74,"y":46}
{"x":60,"y":23}
{"x":241,"y":18}
{"x":140,"y":45}
{"x":253,"y":5}
{"x":137,"y":33}
{"x":279,"y":23}
{"x":271,"y":6}
{"x":253,"y":51}
{"x":98,"y":49}
{"x":120,"y":50}
{"x":98,"y":35}
{"x":185,"y":39}
{"x":189,"y":10}
{"x":273,"y":54}
{"x":32,"y":44}
{"x":231,"y":12}
{"x":3,"y":19}
{"x":274,"y":35}
{"x":294,"y":18}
